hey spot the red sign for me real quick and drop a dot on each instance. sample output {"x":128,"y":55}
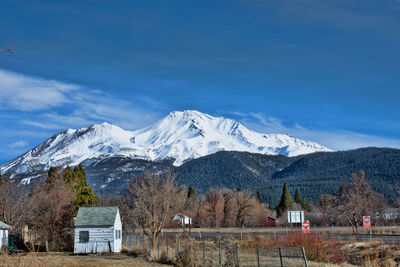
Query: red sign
{"x":306,"y":227}
{"x":366,"y":222}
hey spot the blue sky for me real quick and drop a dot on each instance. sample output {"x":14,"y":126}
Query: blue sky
{"x":322,"y":70}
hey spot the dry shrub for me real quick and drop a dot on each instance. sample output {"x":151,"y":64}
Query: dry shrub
{"x":316,"y":248}
{"x":230,"y":254}
{"x":263,"y":241}
{"x":164,"y":258}
{"x":376,"y":253}
{"x":187,"y":257}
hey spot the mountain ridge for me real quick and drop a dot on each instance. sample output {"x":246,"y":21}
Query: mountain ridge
{"x":181,"y":136}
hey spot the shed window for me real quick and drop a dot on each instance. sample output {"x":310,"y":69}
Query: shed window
{"x":83,"y":236}
{"x":117,"y":234}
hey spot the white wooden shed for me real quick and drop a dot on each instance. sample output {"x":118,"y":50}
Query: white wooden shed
{"x":4,"y":234}
{"x":98,"y":229}
{"x":182,"y":219}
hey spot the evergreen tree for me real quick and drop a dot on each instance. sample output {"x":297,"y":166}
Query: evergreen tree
{"x":191,"y":192}
{"x":68,"y":176}
{"x":286,"y":200}
{"x":258,"y":197}
{"x":80,"y":176}
{"x":76,"y":179}
{"x":52,"y":176}
{"x":239,"y":189}
{"x":299,"y":199}
{"x":86,"y":197}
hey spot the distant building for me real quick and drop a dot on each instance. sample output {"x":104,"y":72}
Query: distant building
{"x":391,"y":213}
{"x":182,"y":219}
{"x":98,"y":229}
{"x":270,"y":221}
{"x":4,"y":234}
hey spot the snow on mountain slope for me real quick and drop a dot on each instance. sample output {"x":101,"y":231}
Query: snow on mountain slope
{"x":179,"y":136}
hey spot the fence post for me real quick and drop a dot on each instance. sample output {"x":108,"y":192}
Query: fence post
{"x":204,"y":255}
{"x":219,"y":254}
{"x":166,"y":237}
{"x":258,"y":257}
{"x":236,"y":255}
{"x":177,"y":246}
{"x":304,"y":256}
{"x":158,"y":247}
{"x":280,"y":256}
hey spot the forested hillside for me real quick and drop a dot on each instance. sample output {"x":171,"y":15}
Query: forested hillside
{"x":313,"y":174}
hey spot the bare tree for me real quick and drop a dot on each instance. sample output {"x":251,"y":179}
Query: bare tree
{"x":213,"y":205}
{"x":356,"y":199}
{"x":228,"y":205}
{"x":244,"y":205}
{"x":125,"y":204}
{"x":52,"y":215}
{"x":14,"y":203}
{"x":156,"y":199}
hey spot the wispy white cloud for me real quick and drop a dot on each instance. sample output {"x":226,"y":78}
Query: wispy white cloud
{"x":337,"y":139}
{"x":57,"y":105}
{"x":20,"y":92}
{"x":19,"y":144}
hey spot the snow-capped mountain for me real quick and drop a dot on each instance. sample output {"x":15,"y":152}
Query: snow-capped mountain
{"x":179,"y":136}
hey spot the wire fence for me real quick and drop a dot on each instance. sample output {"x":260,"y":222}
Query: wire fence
{"x":213,"y":252}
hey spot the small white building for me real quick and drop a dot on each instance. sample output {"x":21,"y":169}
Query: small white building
{"x":98,"y":229}
{"x":4,"y":234}
{"x":391,"y":213}
{"x":182,"y":219}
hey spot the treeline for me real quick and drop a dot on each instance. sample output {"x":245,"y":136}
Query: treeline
{"x":152,"y":200}
{"x":346,"y":207}
{"x":45,"y":211}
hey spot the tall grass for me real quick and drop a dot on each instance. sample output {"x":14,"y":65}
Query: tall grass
{"x":316,"y":247}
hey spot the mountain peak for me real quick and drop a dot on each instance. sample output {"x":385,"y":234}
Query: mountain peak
{"x":181,"y":135}
{"x":188,"y":114}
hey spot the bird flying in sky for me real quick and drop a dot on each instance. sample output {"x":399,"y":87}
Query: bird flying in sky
{"x":8,"y":50}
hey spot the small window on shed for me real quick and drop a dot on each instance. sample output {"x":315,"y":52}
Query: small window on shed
{"x":117,"y":234}
{"x":83,"y":236}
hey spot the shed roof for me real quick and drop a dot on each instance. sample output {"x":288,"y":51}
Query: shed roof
{"x":4,"y":225}
{"x":180,"y":216}
{"x":96,"y":216}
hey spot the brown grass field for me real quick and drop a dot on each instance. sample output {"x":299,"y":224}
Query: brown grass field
{"x":320,"y":252}
{"x":115,"y":260}
{"x":61,"y":260}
